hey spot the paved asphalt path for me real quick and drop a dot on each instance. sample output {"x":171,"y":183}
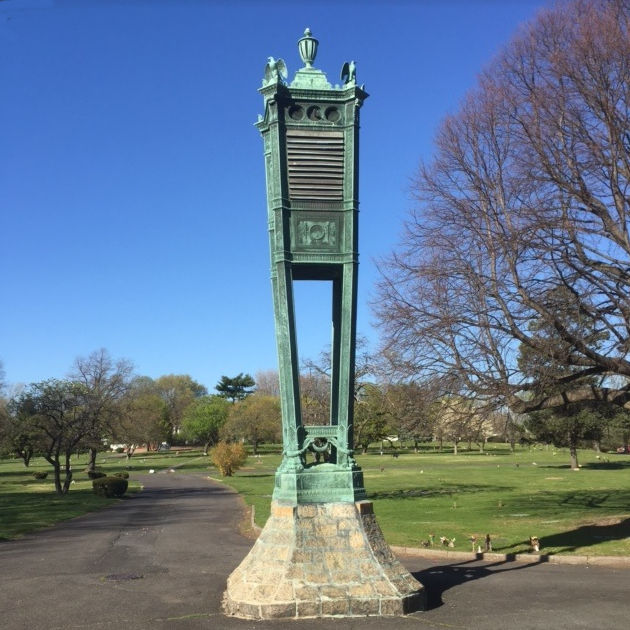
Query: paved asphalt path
{"x":160,"y":559}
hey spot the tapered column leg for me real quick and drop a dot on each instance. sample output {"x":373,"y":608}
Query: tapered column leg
{"x":288,"y":368}
{"x":335,"y":353}
{"x":347,"y":341}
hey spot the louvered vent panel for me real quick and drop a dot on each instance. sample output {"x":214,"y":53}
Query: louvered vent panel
{"x":315,"y":164}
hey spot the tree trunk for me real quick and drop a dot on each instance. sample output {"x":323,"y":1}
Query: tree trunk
{"x":573,"y":455}
{"x":597,"y":446}
{"x":92,"y":462}
{"x":255,"y":447}
{"x":510,"y":432}
{"x":52,"y":457}
{"x":68,"y":473}
{"x":25,"y":454}
{"x":206,"y":446}
{"x":454,"y":447}
{"x":57,"y":476}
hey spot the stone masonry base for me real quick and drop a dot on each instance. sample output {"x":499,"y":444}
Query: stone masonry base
{"x":321,"y":560}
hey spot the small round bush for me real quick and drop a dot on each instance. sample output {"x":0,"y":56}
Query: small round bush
{"x":228,"y":457}
{"x":110,"y":486}
{"x":40,"y":474}
{"x":95,"y":474}
{"x":123,"y":474}
{"x":120,"y":449}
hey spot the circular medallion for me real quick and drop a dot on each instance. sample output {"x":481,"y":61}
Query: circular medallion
{"x":317,"y":232}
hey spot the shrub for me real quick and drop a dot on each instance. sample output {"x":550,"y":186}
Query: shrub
{"x":95,"y":474}
{"x":228,"y":457}
{"x":120,"y":449}
{"x":40,"y":474}
{"x":110,"y":486}
{"x":123,"y":474}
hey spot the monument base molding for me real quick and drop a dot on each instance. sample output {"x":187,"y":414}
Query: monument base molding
{"x":321,"y":560}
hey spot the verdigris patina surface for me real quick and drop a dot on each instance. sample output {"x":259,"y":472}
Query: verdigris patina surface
{"x":311,"y":131}
{"x":321,"y":552}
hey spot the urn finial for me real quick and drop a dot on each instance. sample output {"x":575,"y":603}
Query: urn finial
{"x":307,"y":46}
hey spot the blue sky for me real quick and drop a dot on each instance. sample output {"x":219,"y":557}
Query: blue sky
{"x":132,"y":197}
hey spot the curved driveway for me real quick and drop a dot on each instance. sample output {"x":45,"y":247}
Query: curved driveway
{"x":160,"y":560}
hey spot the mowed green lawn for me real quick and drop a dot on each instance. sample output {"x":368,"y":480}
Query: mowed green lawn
{"x":509,"y":496}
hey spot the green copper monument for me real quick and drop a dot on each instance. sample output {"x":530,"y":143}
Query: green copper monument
{"x":321,"y":552}
{"x":311,"y":135}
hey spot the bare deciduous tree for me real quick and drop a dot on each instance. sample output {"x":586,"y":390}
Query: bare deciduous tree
{"x":267,"y":383}
{"x":527,"y":198}
{"x":105,"y":384}
{"x":412,"y":410}
{"x":315,"y":397}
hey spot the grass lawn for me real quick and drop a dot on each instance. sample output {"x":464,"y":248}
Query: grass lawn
{"x":510,"y":496}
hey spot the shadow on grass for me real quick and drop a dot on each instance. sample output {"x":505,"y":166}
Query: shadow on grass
{"x":549,"y":503}
{"x":437,"y":580}
{"x":429,"y":450}
{"x":601,"y":465}
{"x":608,"y":465}
{"x":605,"y":510}
{"x":444,"y":489}
{"x":25,"y":472}
{"x":609,"y":528}
{"x":616,"y":499}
